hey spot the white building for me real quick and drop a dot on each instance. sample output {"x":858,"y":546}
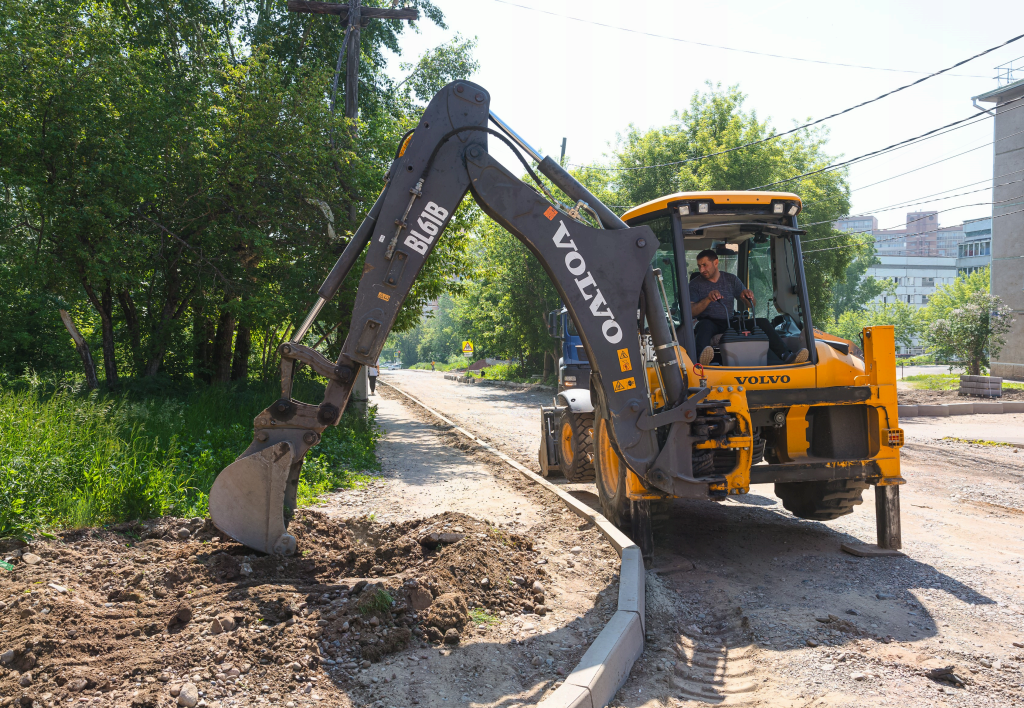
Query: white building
{"x":975,"y":252}
{"x":915,"y":278}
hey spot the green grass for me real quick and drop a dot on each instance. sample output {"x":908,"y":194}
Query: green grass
{"x":380,"y":602}
{"x":946,"y":382}
{"x":70,"y":460}
{"x":481,"y":617}
{"x":989,"y":443}
{"x":440,"y":366}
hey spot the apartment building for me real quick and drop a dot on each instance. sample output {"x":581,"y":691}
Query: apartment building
{"x":975,"y":252}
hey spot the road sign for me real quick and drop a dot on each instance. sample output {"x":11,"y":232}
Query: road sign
{"x":467,"y":347}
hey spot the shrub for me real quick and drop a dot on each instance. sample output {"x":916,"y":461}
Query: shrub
{"x":69,"y":459}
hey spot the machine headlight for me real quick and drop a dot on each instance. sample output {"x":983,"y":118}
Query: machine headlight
{"x":702,"y":208}
{"x":778,"y":208}
{"x":570,"y":380}
{"x":684,"y":210}
{"x":793,"y":210}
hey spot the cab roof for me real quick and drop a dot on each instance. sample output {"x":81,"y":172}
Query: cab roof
{"x":719,"y":198}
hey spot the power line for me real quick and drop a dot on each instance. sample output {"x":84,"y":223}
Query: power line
{"x":946,"y":158}
{"x":723,"y":47}
{"x":993,"y":217}
{"x":805,"y":125}
{"x":955,"y":125}
{"x":905,"y":205}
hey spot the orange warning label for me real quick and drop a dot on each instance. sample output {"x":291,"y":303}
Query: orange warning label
{"x":550,"y":213}
{"x":623,"y":384}
{"x":384,"y":296}
{"x":624,"y":363}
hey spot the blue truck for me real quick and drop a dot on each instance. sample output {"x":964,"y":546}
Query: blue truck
{"x":567,"y":428}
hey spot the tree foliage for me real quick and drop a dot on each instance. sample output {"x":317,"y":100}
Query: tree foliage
{"x":966,"y":324}
{"x":173,"y":175}
{"x":902,"y":316}
{"x":858,"y":289}
{"x":716,"y":122}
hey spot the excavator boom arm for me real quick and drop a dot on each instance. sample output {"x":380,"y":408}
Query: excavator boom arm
{"x":601,"y":275}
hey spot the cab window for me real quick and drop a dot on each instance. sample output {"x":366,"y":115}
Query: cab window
{"x":665,"y":259}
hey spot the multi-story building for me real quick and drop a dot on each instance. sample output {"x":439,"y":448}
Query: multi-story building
{"x":975,"y":252}
{"x":922,"y":235}
{"x":858,"y":224}
{"x":915,"y":279}
{"x":1008,"y":210}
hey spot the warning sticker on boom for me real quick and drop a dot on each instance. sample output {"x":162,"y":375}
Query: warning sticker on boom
{"x":623,"y":384}
{"x":624,"y":363}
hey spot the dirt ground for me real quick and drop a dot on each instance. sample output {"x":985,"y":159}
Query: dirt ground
{"x":451,"y":580}
{"x":748,"y":605}
{"x":910,"y":397}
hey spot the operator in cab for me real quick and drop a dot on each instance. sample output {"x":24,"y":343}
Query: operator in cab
{"x":712,"y":295}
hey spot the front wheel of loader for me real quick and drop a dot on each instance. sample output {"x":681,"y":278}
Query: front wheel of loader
{"x":610,"y":477}
{"x":576,"y":446}
{"x":821,"y":501}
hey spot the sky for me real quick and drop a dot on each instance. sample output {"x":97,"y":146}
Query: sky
{"x":552,"y":77}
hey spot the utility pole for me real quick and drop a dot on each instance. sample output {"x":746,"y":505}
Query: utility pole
{"x":561,"y":160}
{"x":353,"y":17}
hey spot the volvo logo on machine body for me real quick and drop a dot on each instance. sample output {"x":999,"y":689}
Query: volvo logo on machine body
{"x":762,"y":380}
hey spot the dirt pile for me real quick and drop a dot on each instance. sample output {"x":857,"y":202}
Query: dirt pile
{"x":139,"y":613}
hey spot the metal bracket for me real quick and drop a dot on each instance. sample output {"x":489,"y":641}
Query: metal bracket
{"x":684,"y":412}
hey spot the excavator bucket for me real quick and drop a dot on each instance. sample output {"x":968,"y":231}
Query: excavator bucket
{"x":248,"y":498}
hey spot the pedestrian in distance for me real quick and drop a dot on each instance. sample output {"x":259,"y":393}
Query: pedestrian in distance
{"x":372,"y":373}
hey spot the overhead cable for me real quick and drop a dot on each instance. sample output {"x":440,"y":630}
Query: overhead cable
{"x":723,"y":47}
{"x":993,"y":217}
{"x":805,"y":125}
{"x":955,"y":125}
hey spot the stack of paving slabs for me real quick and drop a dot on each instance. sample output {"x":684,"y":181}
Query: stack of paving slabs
{"x":982,"y":386}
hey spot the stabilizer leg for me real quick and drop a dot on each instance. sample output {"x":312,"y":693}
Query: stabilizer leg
{"x":887,"y":517}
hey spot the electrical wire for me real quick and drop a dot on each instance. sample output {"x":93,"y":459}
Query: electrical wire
{"x":813,"y":122}
{"x":869,"y":212}
{"x":719,"y":46}
{"x":970,"y":120}
{"x":994,"y":217}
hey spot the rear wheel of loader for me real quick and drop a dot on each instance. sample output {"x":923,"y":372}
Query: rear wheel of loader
{"x":821,"y":501}
{"x":610,"y":477}
{"x":576,"y":446}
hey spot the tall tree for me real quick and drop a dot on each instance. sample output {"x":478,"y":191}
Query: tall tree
{"x":716,"y":124}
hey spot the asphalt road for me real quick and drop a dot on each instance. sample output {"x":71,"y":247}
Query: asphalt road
{"x":738,"y":589}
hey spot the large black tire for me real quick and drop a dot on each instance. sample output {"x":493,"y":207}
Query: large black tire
{"x":821,"y":501}
{"x":576,"y":446}
{"x":610,"y":478}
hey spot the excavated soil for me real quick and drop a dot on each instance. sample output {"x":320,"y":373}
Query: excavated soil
{"x":132,"y":614}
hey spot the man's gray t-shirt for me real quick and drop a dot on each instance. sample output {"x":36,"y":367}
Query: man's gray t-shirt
{"x":728,"y":285}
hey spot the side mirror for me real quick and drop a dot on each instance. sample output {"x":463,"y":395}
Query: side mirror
{"x":553,"y":324}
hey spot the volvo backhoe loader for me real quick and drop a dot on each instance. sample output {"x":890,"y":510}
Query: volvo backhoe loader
{"x":663,"y":429}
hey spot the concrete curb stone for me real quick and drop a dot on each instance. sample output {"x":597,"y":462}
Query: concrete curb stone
{"x":960,"y":408}
{"x":948,"y":409}
{"x":606,"y":664}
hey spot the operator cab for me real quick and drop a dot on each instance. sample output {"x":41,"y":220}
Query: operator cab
{"x":752,"y":236}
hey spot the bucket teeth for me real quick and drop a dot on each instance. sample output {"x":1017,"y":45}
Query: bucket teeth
{"x":247,"y":500}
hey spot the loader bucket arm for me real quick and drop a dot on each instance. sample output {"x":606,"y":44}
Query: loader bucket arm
{"x":599,"y":274}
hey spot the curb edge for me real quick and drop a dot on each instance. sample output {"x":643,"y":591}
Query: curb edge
{"x":606,"y":664}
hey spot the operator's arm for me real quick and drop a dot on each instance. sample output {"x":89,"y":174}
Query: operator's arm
{"x":698,"y":306}
{"x":701,"y":305}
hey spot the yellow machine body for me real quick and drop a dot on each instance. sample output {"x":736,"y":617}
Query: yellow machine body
{"x":877,"y":370}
